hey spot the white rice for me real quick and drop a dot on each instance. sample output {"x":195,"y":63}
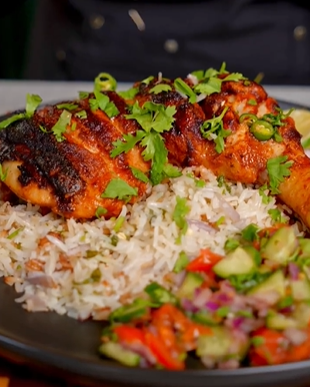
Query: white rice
{"x":146,"y":250}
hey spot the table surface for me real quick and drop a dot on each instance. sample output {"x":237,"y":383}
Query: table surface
{"x":12,"y":97}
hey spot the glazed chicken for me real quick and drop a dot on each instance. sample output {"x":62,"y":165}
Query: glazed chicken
{"x":71,"y":175}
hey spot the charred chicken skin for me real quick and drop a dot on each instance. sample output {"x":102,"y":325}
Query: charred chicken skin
{"x":107,"y":148}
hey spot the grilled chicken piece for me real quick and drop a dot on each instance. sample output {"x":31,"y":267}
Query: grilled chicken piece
{"x":69,"y":177}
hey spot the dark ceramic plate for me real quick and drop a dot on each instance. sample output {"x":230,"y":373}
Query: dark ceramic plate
{"x":68,"y":348}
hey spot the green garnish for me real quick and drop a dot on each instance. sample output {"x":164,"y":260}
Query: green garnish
{"x":119,"y":223}
{"x":220,"y":221}
{"x":221,"y":182}
{"x":105,"y":82}
{"x":83,"y":94}
{"x":32,"y":102}
{"x":15,"y":233}
{"x":119,"y":189}
{"x":103,"y":103}
{"x":130,"y":93}
{"x":231,"y":244}
{"x":67,"y":106}
{"x":223,"y":311}
{"x":249,"y":233}
{"x":278,"y":168}
{"x":159,"y":295}
{"x":211,"y":83}
{"x":126,"y":313}
{"x":100,"y":212}
{"x":154,"y":119}
{"x":179,"y":215}
{"x":183,"y":88}
{"x":213,"y":129}
{"x":265,"y":197}
{"x":257,"y":341}
{"x":148,"y":80}
{"x":252,"y":102}
{"x":3,"y":173}
{"x":138,"y":174}
{"x":81,"y":114}
{"x":276,"y":215}
{"x":160,"y":88}
{"x":61,"y":125}
{"x":181,"y":262}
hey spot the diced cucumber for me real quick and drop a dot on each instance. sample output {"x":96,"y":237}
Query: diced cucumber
{"x":117,"y":352}
{"x":191,"y":282}
{"x":216,"y":345}
{"x":300,"y":289}
{"x":281,"y":322}
{"x":274,"y":283}
{"x":221,"y":344}
{"x":239,"y":261}
{"x":281,"y":246}
{"x":304,"y":244}
{"x":302,"y":314}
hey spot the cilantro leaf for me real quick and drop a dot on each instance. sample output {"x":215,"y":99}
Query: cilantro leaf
{"x":103,"y":103}
{"x":153,"y":116}
{"x":119,"y":189}
{"x":278,"y":168}
{"x":171,"y":171}
{"x":130,"y":93}
{"x":81,"y":114}
{"x":160,"y":88}
{"x":61,"y":125}
{"x":264,"y":195}
{"x":16,"y":117}
{"x":148,"y":80}
{"x":213,"y":129}
{"x":32,"y":102}
{"x":212,"y":86}
{"x":276,"y":215}
{"x":83,"y":94}
{"x":67,"y":106}
{"x":183,"y":88}
{"x":180,"y":211}
{"x":138,"y":174}
{"x":121,"y":146}
{"x":100,"y":212}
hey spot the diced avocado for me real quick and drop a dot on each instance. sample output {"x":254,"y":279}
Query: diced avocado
{"x":302,"y":314}
{"x":191,"y":282}
{"x":274,"y":283}
{"x":279,"y":321}
{"x":216,"y":345}
{"x":300,"y":289}
{"x":280,"y":246}
{"x":117,"y":352}
{"x":239,"y":261}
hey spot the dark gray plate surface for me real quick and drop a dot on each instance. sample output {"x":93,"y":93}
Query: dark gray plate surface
{"x":68,"y":347}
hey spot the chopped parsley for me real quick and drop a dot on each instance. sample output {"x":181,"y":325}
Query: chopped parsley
{"x":210,"y":82}
{"x":81,"y":114}
{"x":138,"y":174}
{"x":61,"y":125}
{"x":100,"y":212}
{"x":130,"y":93}
{"x":263,"y":191}
{"x":160,"y":88}
{"x":154,"y":119}
{"x":179,"y":215}
{"x":278,"y":168}
{"x":276,"y":215}
{"x":102,"y":102}
{"x":83,"y":94}
{"x":119,"y":189}
{"x":67,"y":106}
{"x":32,"y":103}
{"x":213,"y":129}
{"x":183,"y":88}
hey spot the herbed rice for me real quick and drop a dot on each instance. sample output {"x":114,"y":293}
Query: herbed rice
{"x":77,"y":268}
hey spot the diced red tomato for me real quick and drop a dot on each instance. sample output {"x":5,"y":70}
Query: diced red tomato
{"x":168,"y":357}
{"x":204,"y":262}
{"x":128,"y":334}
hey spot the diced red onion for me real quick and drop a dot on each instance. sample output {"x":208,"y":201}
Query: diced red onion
{"x":212,"y":306}
{"x":188,"y":305}
{"x":295,"y":336}
{"x":202,"y":298}
{"x":228,"y":209}
{"x":41,"y":280}
{"x":293,"y":270}
{"x":201,"y":225}
{"x":141,"y":350}
{"x":230,"y":364}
